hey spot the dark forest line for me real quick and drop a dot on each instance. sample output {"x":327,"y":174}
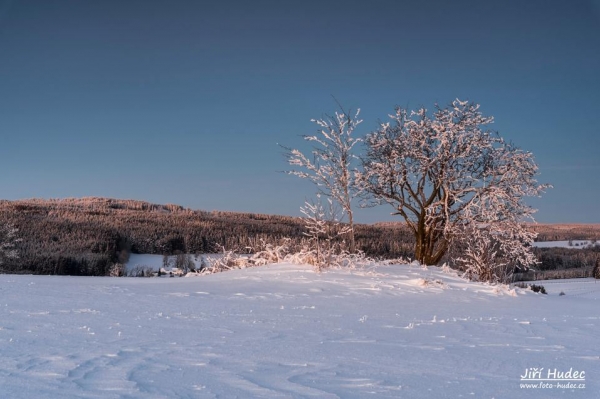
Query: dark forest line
{"x":86,"y":236}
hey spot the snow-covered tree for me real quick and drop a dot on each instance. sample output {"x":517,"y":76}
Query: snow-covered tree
{"x":450,"y":177}
{"x":489,"y":245}
{"x":8,"y":241}
{"x":315,"y":224}
{"x":329,"y":166}
{"x":322,"y":227}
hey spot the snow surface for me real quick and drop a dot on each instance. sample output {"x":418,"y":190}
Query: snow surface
{"x":577,"y":244}
{"x":284,"y":331}
{"x":155,"y":262}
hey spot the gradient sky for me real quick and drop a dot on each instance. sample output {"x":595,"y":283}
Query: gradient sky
{"x":185,"y":101}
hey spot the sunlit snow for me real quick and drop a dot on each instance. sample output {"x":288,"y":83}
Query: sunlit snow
{"x":284,"y":331}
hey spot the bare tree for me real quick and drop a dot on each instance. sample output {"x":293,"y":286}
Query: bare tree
{"x":330,"y":168}
{"x":322,"y":225}
{"x":440,"y":172}
{"x":315,"y":224}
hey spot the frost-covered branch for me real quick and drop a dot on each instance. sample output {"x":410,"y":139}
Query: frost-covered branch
{"x":330,"y":163}
{"x":322,"y":228}
{"x":446,"y":172}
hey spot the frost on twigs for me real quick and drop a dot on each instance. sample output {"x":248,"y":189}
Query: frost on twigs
{"x":492,"y":250}
{"x":228,"y":260}
{"x":117,"y":270}
{"x":323,"y":231}
{"x":264,"y":254}
{"x":343,"y":259}
{"x":330,"y":163}
{"x":456,"y":184}
{"x":268,"y":253}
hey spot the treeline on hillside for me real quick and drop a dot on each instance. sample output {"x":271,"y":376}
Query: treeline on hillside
{"x":566,"y":258}
{"x":556,"y":263}
{"x":566,"y":232}
{"x":571,"y":262}
{"x":87,"y":236}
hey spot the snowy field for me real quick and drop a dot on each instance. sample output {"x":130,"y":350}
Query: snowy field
{"x":576,"y":244}
{"x":284,"y":331}
{"x":155,"y":262}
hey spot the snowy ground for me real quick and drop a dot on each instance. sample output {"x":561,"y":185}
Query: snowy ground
{"x":576,"y":244}
{"x":155,"y":262}
{"x":284,"y":331}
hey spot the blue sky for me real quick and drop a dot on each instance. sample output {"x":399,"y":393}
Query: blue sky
{"x":185,"y":101}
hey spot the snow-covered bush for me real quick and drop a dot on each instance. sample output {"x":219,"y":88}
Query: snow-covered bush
{"x":323,"y":231}
{"x":282,"y":252}
{"x":304,"y":256}
{"x":490,"y":252}
{"x":270,"y":253}
{"x":117,"y":270}
{"x":346,"y":259}
{"x":492,"y":240}
{"x":228,"y":260}
{"x":342,"y":259}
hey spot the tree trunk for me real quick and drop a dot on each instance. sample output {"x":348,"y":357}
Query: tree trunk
{"x":429,"y":246}
{"x":351,"y":233}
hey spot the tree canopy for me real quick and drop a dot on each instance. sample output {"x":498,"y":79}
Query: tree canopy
{"x":446,"y":173}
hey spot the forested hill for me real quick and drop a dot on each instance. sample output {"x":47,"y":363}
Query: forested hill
{"x":85,"y":236}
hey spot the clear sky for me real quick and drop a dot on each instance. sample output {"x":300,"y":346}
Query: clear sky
{"x":185,"y":101}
